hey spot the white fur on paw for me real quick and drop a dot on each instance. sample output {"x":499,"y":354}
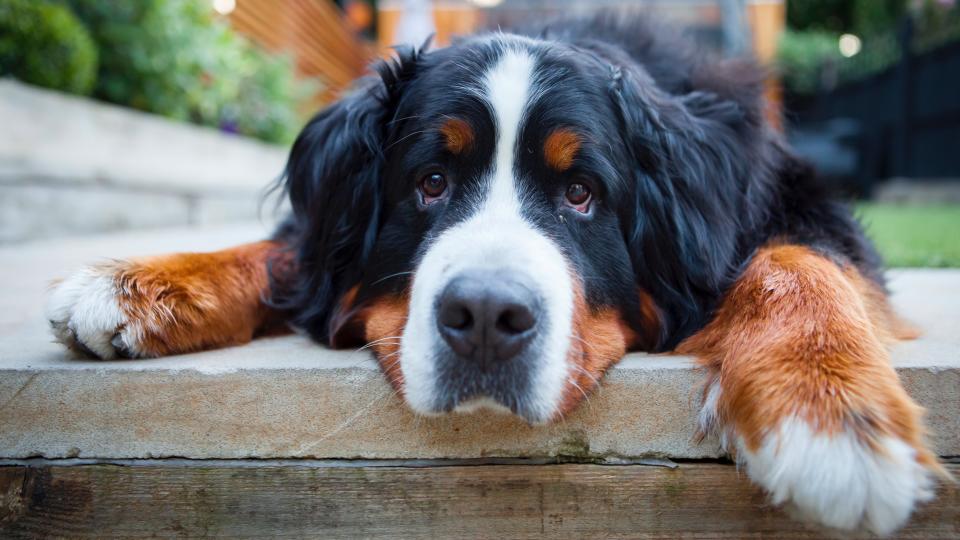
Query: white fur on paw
{"x":707,"y":419}
{"x":838,"y":481}
{"x":84,"y":312}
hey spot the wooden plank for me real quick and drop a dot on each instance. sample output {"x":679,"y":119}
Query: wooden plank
{"x":695,"y":500}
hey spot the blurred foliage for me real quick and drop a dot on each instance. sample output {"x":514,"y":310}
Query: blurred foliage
{"x":176,"y":58}
{"x":871,"y":17}
{"x":880,"y":51}
{"x":834,"y":16}
{"x":862,"y":17}
{"x":936,"y":24}
{"x":921,"y":235}
{"x":808,"y":56}
{"x":267,"y":99}
{"x":46,"y":45}
{"x":801,"y":57}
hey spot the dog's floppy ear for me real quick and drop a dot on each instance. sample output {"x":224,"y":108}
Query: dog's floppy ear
{"x":693,"y":193}
{"x":333,"y":180}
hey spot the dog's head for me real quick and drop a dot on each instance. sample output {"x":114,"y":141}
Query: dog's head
{"x":502,"y":219}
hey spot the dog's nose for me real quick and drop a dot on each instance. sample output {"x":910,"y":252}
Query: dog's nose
{"x":487,"y":317}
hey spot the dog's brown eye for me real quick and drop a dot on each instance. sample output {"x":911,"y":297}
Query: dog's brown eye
{"x":578,"y":196}
{"x":432,"y":187}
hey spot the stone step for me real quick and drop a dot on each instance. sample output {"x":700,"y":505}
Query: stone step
{"x":286,"y":397}
{"x":71,"y":165}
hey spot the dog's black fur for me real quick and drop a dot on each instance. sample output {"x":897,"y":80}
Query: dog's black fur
{"x":691,"y":177}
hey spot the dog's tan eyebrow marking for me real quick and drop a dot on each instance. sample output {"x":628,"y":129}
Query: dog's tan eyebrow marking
{"x":560,"y":147}
{"x":458,"y":135}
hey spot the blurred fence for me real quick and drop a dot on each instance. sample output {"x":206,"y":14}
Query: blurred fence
{"x":900,"y":103}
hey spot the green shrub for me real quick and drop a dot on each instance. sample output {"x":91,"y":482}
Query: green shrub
{"x":820,"y":15}
{"x":880,"y":52}
{"x":175,"y":58}
{"x":877,"y":16}
{"x":268,"y":97}
{"x":44,"y":44}
{"x":802,"y":58}
{"x":861,"y":17}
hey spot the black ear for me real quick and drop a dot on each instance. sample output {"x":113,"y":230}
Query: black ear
{"x":334,"y":183}
{"x":698,"y":181}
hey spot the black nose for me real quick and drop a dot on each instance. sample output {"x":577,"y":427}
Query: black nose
{"x":487,"y":316}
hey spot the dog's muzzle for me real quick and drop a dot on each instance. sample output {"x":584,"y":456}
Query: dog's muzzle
{"x":490,"y":320}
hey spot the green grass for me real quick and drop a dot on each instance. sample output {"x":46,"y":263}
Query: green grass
{"x":912,"y":236}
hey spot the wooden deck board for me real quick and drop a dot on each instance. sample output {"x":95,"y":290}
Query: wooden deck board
{"x":695,"y":500}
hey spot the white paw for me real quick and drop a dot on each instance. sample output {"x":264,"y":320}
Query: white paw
{"x":837,"y":480}
{"x":85,"y":315}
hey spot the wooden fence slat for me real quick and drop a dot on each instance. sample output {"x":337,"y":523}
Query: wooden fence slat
{"x":701,"y":500}
{"x":313,"y":30}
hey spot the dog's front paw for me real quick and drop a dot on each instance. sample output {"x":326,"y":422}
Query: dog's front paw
{"x":841,"y":480}
{"x":86,"y":315}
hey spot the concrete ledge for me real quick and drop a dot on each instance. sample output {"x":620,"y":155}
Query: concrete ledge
{"x":123,"y":168}
{"x":288,"y":398}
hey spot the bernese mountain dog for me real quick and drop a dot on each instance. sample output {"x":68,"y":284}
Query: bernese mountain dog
{"x":502,"y":219}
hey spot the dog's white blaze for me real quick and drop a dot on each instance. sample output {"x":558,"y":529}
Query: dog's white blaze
{"x":508,"y":87}
{"x":496,"y":236}
{"x":836,"y":480}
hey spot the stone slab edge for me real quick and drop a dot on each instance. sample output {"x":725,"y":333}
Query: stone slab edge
{"x":280,"y":403}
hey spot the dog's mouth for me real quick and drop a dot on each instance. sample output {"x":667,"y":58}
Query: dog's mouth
{"x":536,"y":388}
{"x":494,"y":338}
